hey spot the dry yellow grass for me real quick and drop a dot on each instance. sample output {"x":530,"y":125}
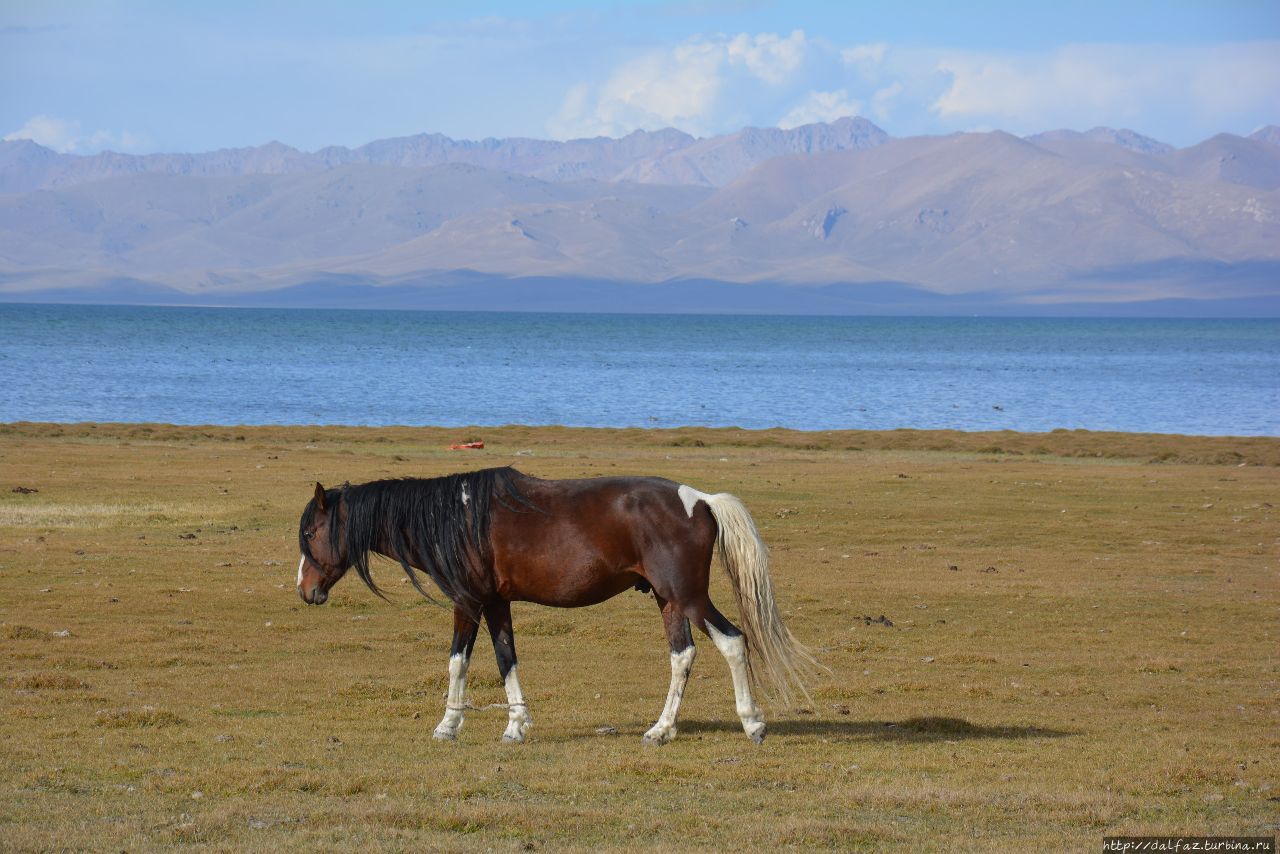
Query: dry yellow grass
{"x":1084,"y":642}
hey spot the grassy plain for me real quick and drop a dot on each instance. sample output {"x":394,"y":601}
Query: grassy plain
{"x":1084,"y":642}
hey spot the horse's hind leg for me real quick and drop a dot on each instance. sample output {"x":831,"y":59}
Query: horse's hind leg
{"x":733,"y":646}
{"x":498,"y":617}
{"x":682,"y":655}
{"x":464,"y":640}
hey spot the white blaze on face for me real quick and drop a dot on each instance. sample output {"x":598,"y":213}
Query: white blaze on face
{"x":301,"y":562}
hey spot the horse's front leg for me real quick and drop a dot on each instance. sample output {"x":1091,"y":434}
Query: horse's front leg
{"x":498,"y":617}
{"x":464,"y":640}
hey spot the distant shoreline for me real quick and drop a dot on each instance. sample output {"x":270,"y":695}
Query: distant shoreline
{"x":540,"y":295}
{"x":504,"y":443}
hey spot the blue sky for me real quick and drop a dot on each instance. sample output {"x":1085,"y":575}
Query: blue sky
{"x":177,"y":76}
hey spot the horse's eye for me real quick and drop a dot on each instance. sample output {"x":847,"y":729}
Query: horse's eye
{"x":309,"y":534}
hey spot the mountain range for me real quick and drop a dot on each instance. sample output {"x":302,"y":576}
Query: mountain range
{"x":823,"y":217}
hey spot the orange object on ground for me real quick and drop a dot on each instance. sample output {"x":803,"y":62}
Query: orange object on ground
{"x":468,"y":446}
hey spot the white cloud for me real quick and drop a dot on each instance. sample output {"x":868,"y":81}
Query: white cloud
{"x":821,"y":107}
{"x":681,"y":87}
{"x":66,"y":136}
{"x":866,"y":59}
{"x":717,"y":84}
{"x":654,"y":91}
{"x":883,"y":98}
{"x":55,"y":133}
{"x":1086,"y":85}
{"x":767,"y":55}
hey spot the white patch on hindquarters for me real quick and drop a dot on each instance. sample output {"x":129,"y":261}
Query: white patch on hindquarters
{"x":466,"y":496}
{"x":734,"y":650}
{"x":690,"y":497}
{"x":301,"y":562}
{"x":518,"y":718}
{"x":447,"y":729}
{"x":665,"y":729}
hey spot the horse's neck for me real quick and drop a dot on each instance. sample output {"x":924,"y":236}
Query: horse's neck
{"x":372,"y":537}
{"x":390,"y":543}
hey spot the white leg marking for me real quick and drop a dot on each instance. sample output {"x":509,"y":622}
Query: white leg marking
{"x":734,"y":650}
{"x":518,"y":719}
{"x":447,"y":729}
{"x":301,"y":562}
{"x":665,"y":729}
{"x":690,"y":497}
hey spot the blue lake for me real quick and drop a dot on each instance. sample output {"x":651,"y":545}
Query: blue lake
{"x":269,"y":366}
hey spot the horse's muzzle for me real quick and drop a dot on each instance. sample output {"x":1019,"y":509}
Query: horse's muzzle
{"x":316,"y":596}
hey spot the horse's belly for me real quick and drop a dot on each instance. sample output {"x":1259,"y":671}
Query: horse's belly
{"x":565,"y":587}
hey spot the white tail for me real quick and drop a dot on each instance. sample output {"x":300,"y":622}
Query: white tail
{"x":777,"y":663}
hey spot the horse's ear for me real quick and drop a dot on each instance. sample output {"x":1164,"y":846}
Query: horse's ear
{"x":319,"y":496}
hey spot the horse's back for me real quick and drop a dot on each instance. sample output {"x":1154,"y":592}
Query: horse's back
{"x":579,"y":542}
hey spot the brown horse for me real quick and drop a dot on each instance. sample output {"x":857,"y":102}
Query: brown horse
{"x":493,"y":537}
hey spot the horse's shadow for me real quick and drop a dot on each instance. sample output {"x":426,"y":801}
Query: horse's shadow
{"x":919,"y":729}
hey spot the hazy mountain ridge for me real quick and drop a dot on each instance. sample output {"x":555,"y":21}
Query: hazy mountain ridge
{"x":167,"y":225}
{"x":1060,"y":216}
{"x":641,"y":156}
{"x":1122,"y":137}
{"x":1270,"y":134}
{"x":720,"y":160}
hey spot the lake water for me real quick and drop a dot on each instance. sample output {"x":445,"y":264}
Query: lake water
{"x":266,"y":366}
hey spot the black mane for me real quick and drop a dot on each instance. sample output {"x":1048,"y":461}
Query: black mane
{"x":425,"y":525}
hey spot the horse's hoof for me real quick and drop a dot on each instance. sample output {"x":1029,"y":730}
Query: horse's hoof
{"x":656,"y":739}
{"x":445,"y":735}
{"x":757,"y":737}
{"x":512,"y":739}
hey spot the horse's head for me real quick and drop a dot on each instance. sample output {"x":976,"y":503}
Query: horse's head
{"x":323,"y":545}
